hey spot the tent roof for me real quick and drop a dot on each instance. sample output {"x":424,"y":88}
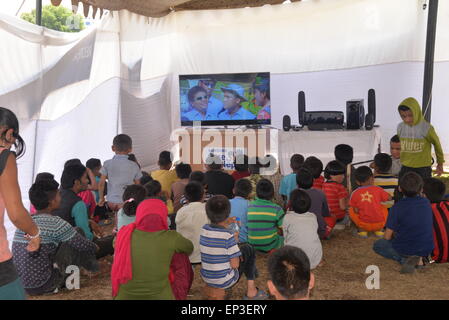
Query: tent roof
{"x":160,"y":8}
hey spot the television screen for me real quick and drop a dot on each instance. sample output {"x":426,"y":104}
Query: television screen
{"x":225,"y":99}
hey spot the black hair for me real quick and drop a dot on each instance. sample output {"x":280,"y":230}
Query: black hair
{"x":434,"y":189}
{"x":268,"y":160}
{"x":300,"y":201}
{"x":8,"y":120}
{"x":214,"y":162}
{"x":403,"y":108}
{"x":132,"y":157}
{"x":71,"y":174}
{"x":411,"y":184}
{"x":265,"y":189}
{"x":314,"y":165}
{"x":93,"y":163}
{"x":333,"y":168}
{"x":241,"y":163}
{"x":194,"y":191}
{"x":362,"y":174}
{"x":145,"y":178}
{"x":218,"y":209}
{"x":42,"y":192}
{"x":183,"y":170}
{"x":344,"y":153}
{"x":122,"y":143}
{"x":153,"y":188}
{"x":165,"y":158}
{"x":193,"y":91}
{"x":296,"y":161}
{"x":44,"y":176}
{"x":289,"y":269}
{"x":383,"y":162}
{"x":136,"y":192}
{"x":72,"y":162}
{"x":304,"y":179}
{"x":243,"y":188}
{"x":395,"y":139}
{"x":198,"y":176}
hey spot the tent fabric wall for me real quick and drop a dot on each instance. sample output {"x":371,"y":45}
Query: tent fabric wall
{"x":334,"y":50}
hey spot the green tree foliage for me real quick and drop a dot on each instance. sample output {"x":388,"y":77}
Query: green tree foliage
{"x":57,"y":18}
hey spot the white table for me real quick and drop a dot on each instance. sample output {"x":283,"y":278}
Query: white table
{"x":321,"y":144}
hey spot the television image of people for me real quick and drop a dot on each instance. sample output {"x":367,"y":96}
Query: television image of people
{"x":225,"y":99}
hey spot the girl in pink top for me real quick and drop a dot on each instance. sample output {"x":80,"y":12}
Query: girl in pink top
{"x":10,"y":199}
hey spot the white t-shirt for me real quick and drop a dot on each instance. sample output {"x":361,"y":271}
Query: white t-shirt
{"x":190,"y":220}
{"x":300,"y":230}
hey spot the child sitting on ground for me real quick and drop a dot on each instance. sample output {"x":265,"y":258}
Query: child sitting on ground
{"x":191,"y":218}
{"x":241,"y":167}
{"x":336,"y":193}
{"x":291,"y":278}
{"x":43,"y":272}
{"x":288,"y":182}
{"x":318,"y":205}
{"x":200,"y":177}
{"x":183,"y":172}
{"x":315,"y":166}
{"x":265,"y":219}
{"x":344,"y":154}
{"x":300,"y":227}
{"x":239,"y":206}
{"x":222,"y":260}
{"x":408,"y":235}
{"x":254,"y":177}
{"x":382,"y":176}
{"x":166,"y":176}
{"x":434,"y":190}
{"x":134,"y":194}
{"x":395,"y":151}
{"x":41,"y":176}
{"x":366,"y":209}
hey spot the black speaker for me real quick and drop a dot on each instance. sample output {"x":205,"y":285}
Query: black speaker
{"x":355,"y":114}
{"x":372,"y":104}
{"x":286,"y":123}
{"x":369,"y":122}
{"x":301,"y":107}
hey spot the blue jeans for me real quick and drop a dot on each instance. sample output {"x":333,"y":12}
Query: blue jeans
{"x":385,"y":249}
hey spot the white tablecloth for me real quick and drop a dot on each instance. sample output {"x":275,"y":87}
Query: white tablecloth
{"x":321,"y":144}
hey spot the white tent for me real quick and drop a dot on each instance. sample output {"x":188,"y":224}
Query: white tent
{"x":74,"y":92}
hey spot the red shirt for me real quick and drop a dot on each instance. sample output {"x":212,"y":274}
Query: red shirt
{"x":318,"y":183}
{"x":334,"y":193}
{"x":368,"y":202}
{"x":237,"y":175}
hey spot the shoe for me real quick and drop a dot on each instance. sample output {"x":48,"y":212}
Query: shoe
{"x":362,"y":234}
{"x":409,"y":264}
{"x":261,"y":295}
{"x":379,"y":234}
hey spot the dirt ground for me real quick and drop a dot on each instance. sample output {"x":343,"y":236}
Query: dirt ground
{"x":342,"y":277}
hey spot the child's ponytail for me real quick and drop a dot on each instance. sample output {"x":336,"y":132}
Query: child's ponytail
{"x":134,"y":194}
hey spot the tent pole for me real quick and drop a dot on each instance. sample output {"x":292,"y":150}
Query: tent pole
{"x":429,"y":60}
{"x":39,"y":12}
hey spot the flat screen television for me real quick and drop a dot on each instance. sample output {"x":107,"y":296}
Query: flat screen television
{"x":225,"y":99}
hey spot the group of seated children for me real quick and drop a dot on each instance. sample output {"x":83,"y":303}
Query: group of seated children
{"x":219,"y":221}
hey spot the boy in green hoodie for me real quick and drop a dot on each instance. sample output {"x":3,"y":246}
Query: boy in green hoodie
{"x":417,"y":136}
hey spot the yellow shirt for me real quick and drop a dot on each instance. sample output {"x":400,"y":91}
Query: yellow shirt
{"x":166,"y":179}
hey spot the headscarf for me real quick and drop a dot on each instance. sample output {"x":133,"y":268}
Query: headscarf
{"x":151,"y":216}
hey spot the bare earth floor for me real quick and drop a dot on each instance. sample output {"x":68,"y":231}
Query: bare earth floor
{"x":342,"y":277}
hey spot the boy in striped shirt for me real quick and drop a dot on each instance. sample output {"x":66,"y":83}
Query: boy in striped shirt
{"x":382,"y":176}
{"x":222,"y":259}
{"x":336,"y":193}
{"x":264,"y":219}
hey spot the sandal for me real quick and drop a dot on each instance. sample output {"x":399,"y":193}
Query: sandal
{"x":261,"y":295}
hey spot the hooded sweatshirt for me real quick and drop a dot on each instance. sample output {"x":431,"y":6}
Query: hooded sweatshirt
{"x":417,"y":139}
